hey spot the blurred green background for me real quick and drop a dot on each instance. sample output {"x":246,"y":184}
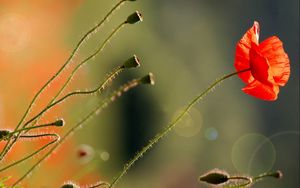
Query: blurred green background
{"x":187,"y":45}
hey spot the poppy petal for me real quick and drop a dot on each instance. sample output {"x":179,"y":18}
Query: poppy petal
{"x":262,"y":91}
{"x":260,"y":68}
{"x":272,"y":50}
{"x":242,"y":52}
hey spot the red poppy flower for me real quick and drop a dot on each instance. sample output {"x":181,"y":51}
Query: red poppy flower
{"x":267,"y":62}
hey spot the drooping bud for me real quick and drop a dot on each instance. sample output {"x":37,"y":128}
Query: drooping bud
{"x":70,"y":185}
{"x":132,"y":62}
{"x":134,"y":18}
{"x":148,"y":79}
{"x":278,"y":174}
{"x":59,"y":123}
{"x":215,"y":177}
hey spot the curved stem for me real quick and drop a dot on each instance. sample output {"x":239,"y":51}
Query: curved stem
{"x":34,"y":153}
{"x":81,"y":41}
{"x":248,"y":180}
{"x":95,"y":111}
{"x":169,"y":127}
{"x":98,"y":89}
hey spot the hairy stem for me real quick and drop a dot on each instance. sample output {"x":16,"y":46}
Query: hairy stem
{"x":34,"y":153}
{"x":98,"y":109}
{"x":9,"y":144}
{"x":169,"y":127}
{"x":99,"y":89}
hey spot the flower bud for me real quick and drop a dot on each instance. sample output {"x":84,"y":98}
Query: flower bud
{"x":132,"y":62}
{"x":148,"y":79}
{"x":214,"y":177}
{"x":278,"y":174}
{"x":70,"y":185}
{"x":59,"y":123}
{"x":134,"y":18}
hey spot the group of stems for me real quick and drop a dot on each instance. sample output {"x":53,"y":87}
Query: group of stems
{"x":22,"y":126}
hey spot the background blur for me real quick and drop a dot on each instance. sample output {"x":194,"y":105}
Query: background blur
{"x":187,"y":45}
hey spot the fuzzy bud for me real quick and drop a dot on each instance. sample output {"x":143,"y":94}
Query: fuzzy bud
{"x":148,"y":79}
{"x":215,"y":177}
{"x":132,"y":62}
{"x":59,"y":123}
{"x":70,"y":185}
{"x":134,"y":18}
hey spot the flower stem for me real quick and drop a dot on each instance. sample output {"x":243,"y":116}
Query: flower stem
{"x":99,"y":89}
{"x":169,"y":127}
{"x":95,"y":111}
{"x":69,"y":60}
{"x":34,"y":153}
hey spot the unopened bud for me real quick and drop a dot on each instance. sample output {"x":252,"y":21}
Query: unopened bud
{"x":214,"y":177}
{"x":278,"y":174}
{"x":132,"y":62}
{"x":134,"y":18}
{"x":59,"y":123}
{"x":148,"y":79}
{"x":70,"y":185}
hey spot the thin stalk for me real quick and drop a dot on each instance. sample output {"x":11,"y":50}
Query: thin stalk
{"x":247,"y":179}
{"x":169,"y":127}
{"x":97,"y":110}
{"x":99,"y":89}
{"x":81,"y":41}
{"x":10,"y":134}
{"x":34,"y":153}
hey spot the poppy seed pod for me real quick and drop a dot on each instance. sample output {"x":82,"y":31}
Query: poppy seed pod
{"x":134,"y":18}
{"x":70,"y":185}
{"x":132,"y":62}
{"x":148,"y":79}
{"x":215,"y":177}
{"x":59,"y":123}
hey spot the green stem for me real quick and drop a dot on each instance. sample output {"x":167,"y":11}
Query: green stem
{"x":97,"y":110}
{"x":34,"y":153}
{"x":248,"y":180}
{"x":98,"y":89}
{"x":53,"y":102}
{"x":90,"y":32}
{"x":169,"y":127}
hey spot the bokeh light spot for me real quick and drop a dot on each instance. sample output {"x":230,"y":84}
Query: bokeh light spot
{"x":211,"y":133}
{"x":104,"y":156}
{"x":253,"y":154}
{"x":190,"y":125}
{"x":14,"y":32}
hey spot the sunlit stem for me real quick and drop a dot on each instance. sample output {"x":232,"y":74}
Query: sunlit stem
{"x":99,"y":89}
{"x":97,"y":110}
{"x":10,"y":134}
{"x":169,"y":127}
{"x":69,"y":60}
{"x":34,"y":153}
{"x":100,"y":184}
{"x":248,"y":181}
{"x":53,"y":102}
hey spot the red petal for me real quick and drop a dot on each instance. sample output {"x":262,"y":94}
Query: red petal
{"x":272,"y":50}
{"x":242,"y":52}
{"x":262,"y":91}
{"x":260,"y":68}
